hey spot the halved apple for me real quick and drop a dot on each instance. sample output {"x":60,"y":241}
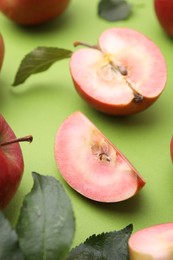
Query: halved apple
{"x":124,"y":74}
{"x":91,"y":164}
{"x":152,"y":243}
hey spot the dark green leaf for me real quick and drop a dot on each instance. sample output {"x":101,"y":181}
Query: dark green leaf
{"x":107,"y":246}
{"x":9,"y":244}
{"x":39,"y":60}
{"x":114,"y":10}
{"x":46,"y":223}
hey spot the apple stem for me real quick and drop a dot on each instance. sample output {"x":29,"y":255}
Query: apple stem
{"x":75,"y":44}
{"x":27,"y":138}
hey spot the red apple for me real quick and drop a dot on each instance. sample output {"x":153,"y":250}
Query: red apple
{"x":31,"y":12}
{"x":11,"y":162}
{"x":1,"y":50}
{"x":164,"y":13}
{"x":155,"y":242}
{"x":91,"y":164}
{"x":171,"y":148}
{"x":124,"y":74}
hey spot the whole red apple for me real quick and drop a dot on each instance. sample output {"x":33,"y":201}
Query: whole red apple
{"x":1,"y":50}
{"x":11,"y":162}
{"x":164,"y":13}
{"x":117,"y":76}
{"x":31,"y":12}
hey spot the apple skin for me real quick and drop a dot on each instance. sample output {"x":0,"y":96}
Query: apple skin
{"x":2,"y":50}
{"x":11,"y":164}
{"x":152,"y":243}
{"x":91,"y":164}
{"x":164,"y":14}
{"x":31,"y":12}
{"x":108,"y":91}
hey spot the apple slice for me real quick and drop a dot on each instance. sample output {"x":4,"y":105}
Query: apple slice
{"x":124,"y":74}
{"x":91,"y":164}
{"x":155,"y":242}
{"x":11,"y":162}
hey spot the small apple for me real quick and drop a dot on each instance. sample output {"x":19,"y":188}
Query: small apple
{"x":11,"y":162}
{"x":1,"y":50}
{"x":31,"y":12}
{"x":91,"y":164}
{"x":124,"y":74}
{"x":152,"y":243}
{"x":164,"y":14}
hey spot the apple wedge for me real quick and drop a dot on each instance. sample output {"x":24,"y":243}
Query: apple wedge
{"x":152,"y":243}
{"x":123,"y":74}
{"x":91,"y":164}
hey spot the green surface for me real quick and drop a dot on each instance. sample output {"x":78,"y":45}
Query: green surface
{"x":40,"y":105}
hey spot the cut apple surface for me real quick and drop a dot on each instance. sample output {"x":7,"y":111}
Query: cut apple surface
{"x":152,"y":243}
{"x":91,"y":164}
{"x":124,"y":74}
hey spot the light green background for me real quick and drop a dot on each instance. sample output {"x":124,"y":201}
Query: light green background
{"x":40,"y":105}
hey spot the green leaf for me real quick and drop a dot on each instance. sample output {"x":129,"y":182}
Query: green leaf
{"x":9,"y":244}
{"x":114,"y":10}
{"x":39,"y":60}
{"x":106,"y":246}
{"x":46,"y":223}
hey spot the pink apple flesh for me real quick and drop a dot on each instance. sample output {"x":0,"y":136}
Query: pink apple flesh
{"x":1,"y":50}
{"x":124,"y":74}
{"x":91,"y":164}
{"x":31,"y":12}
{"x":152,"y":243}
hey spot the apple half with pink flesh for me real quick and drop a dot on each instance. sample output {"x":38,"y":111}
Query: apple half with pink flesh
{"x":31,"y":12}
{"x":11,"y":162}
{"x":91,"y":164}
{"x":1,"y":50}
{"x":123,"y":74}
{"x":152,"y":243}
